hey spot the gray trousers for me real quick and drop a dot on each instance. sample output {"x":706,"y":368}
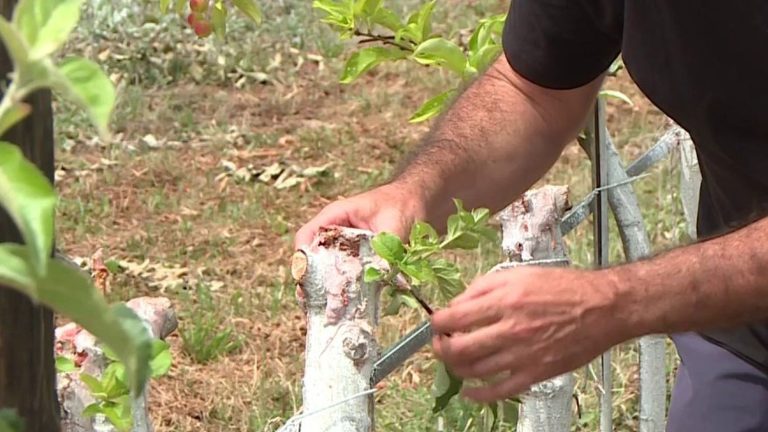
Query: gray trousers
{"x":715,"y":391}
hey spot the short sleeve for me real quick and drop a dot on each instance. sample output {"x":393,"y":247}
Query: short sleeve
{"x":563,"y":44}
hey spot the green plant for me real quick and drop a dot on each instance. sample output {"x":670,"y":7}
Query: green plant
{"x":414,"y":39}
{"x":10,"y":421}
{"x":204,"y":335}
{"x":38,"y":29}
{"x":418,"y":262}
{"x":205,"y":339}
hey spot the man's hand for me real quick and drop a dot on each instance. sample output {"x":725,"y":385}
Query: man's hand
{"x":393,"y":208}
{"x":525,"y":325}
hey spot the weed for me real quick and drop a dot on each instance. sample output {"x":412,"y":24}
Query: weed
{"x":204,"y":334}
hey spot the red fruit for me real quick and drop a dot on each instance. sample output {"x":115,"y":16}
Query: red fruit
{"x":202,"y":28}
{"x":191,"y":18}
{"x":198,"y":5}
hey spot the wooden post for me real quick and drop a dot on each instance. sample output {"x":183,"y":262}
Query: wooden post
{"x":342,"y":315}
{"x":531,"y":236}
{"x":27,"y":375}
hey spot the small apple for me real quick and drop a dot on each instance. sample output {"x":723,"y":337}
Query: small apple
{"x":198,"y":5}
{"x":202,"y":27}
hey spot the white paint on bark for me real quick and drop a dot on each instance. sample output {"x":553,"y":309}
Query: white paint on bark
{"x":73,"y":341}
{"x":531,"y":235}
{"x":342,"y":315}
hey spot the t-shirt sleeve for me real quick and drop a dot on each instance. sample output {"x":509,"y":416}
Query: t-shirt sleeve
{"x":562,"y":44}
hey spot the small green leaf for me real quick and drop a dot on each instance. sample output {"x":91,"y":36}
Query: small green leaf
{"x":57,"y":29}
{"x":219,"y":19}
{"x":339,"y":15}
{"x":387,"y":18}
{"x":113,"y":266}
{"x":482,"y":59}
{"x":439,"y":51}
{"x":617,"y":95}
{"x":397,"y":299}
{"x":10,"y":421}
{"x":46,"y":24}
{"x":389,"y":247}
{"x":419,"y":271}
{"x":94,"y":385}
{"x":13,"y":115}
{"x":421,"y":233}
{"x":14,"y":43}
{"x":15,"y":272}
{"x":119,"y":414}
{"x":92,"y":409}
{"x":28,"y":197}
{"x":180,"y":6}
{"x":65,"y":364}
{"x":161,"y":358}
{"x":419,"y":25}
{"x":432,"y":107}
{"x":84,"y":83}
{"x":446,"y":386}
{"x":372,"y":274}
{"x":164,"y":5}
{"x":250,"y":9}
{"x":365,"y":59}
{"x":448,"y":277}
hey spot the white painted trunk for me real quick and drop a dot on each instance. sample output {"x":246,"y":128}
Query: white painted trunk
{"x":342,"y":315}
{"x":72,"y":341}
{"x":531,"y":235}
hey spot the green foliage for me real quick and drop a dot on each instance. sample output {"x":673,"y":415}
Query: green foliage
{"x":204,"y":334}
{"x":417,"y":261}
{"x":65,"y":364}
{"x":446,"y":386}
{"x":113,"y":398}
{"x":10,"y":421}
{"x":410,"y":39}
{"x":37,"y":29}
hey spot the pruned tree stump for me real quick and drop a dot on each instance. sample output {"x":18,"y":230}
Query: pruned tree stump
{"x":75,"y":342}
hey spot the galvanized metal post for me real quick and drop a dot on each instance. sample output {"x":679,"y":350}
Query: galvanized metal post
{"x":598,"y":151}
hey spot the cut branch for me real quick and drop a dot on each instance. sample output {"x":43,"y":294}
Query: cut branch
{"x":531,"y":236}
{"x":342,"y":315}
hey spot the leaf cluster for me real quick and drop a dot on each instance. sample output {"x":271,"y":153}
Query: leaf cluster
{"x":410,"y":38}
{"x":111,"y":390}
{"x":420,"y":263}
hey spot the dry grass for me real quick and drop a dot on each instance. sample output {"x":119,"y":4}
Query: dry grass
{"x":173,"y":205}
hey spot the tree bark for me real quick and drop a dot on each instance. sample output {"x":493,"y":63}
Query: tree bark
{"x":342,"y":315}
{"x":27,"y":375}
{"x":531,"y":236}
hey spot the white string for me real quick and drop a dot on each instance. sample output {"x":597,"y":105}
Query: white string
{"x":327,"y":407}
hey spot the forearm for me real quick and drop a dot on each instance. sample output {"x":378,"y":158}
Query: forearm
{"x":720,"y":282}
{"x":500,"y":136}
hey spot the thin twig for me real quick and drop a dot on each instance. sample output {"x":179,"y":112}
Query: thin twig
{"x":384,"y":39}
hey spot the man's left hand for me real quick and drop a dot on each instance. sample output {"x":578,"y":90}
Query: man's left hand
{"x":528,"y":324}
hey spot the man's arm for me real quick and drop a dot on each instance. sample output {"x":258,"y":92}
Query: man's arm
{"x":716,"y":283}
{"x":499,"y":137}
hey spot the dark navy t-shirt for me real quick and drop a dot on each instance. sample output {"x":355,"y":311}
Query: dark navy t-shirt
{"x":703,"y":63}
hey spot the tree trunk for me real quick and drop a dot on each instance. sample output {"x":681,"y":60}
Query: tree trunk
{"x":531,"y":236}
{"x":342,"y":315}
{"x":27,"y":375}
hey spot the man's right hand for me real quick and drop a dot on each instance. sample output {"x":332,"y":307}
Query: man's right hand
{"x":392,"y":208}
